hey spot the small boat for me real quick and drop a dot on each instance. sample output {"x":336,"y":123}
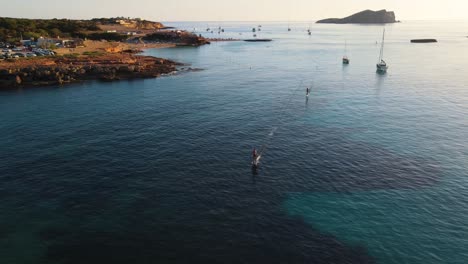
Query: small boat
{"x":253,"y":30}
{"x":382,"y":65}
{"x":345,"y":60}
{"x":345,"y":57}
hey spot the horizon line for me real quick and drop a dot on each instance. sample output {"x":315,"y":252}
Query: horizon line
{"x":218,"y":21}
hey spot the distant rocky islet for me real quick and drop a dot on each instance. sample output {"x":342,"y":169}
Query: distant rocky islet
{"x":364,"y":17}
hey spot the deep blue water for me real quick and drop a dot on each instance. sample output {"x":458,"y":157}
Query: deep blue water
{"x":370,"y":169}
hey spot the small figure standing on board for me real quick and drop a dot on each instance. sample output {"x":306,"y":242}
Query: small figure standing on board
{"x":255,"y":158}
{"x":254,"y":154}
{"x":307,"y":91}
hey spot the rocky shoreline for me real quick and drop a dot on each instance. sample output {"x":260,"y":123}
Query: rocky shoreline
{"x":63,"y":70}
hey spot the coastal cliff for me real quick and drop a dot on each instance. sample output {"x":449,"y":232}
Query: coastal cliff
{"x":364,"y":17}
{"x":107,"y":67}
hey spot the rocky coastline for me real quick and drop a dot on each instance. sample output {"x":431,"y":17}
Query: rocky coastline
{"x":97,"y":49}
{"x":63,"y":70}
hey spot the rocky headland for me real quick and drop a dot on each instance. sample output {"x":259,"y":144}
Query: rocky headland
{"x":97,"y":60}
{"x":178,"y":37}
{"x":364,"y":17}
{"x":62,"y":70}
{"x":101,"y":49}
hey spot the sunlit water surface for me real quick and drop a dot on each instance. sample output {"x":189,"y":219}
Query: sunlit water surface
{"x":369,"y":169}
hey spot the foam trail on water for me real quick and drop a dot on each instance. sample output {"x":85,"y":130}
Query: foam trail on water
{"x":273,"y":131}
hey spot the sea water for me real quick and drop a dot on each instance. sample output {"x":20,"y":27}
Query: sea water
{"x":370,"y":168}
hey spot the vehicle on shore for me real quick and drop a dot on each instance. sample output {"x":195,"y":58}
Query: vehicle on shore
{"x":11,"y":54}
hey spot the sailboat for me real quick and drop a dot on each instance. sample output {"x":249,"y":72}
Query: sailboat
{"x":345,"y":57}
{"x":382,"y":65}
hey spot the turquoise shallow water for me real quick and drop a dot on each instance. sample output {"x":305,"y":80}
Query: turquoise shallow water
{"x":370,"y":169}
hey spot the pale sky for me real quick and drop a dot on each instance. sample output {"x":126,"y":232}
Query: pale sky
{"x":231,"y":10}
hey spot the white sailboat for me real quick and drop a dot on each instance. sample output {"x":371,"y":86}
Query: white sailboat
{"x":345,"y":57}
{"x":382,"y":65}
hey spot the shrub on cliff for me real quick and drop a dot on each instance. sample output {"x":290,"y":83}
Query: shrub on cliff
{"x":14,"y":28}
{"x":104,"y":36}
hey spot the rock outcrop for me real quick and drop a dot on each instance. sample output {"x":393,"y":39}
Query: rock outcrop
{"x":423,"y":40}
{"x":364,"y":17}
{"x":108,"y":67}
{"x":180,"y":38}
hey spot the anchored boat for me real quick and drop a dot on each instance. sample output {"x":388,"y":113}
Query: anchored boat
{"x":345,"y":57}
{"x":382,"y":65}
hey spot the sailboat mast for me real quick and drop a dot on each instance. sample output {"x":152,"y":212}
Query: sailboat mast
{"x":382,"y":47}
{"x":345,"y":47}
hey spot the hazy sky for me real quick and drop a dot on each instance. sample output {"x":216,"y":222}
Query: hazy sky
{"x":231,"y":10}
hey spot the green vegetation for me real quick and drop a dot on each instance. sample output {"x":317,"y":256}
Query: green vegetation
{"x":103,"y":35}
{"x":12,"y":29}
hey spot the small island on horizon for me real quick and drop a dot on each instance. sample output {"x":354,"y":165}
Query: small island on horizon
{"x":364,"y":17}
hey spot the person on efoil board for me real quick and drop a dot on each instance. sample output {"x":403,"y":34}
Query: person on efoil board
{"x":255,"y":158}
